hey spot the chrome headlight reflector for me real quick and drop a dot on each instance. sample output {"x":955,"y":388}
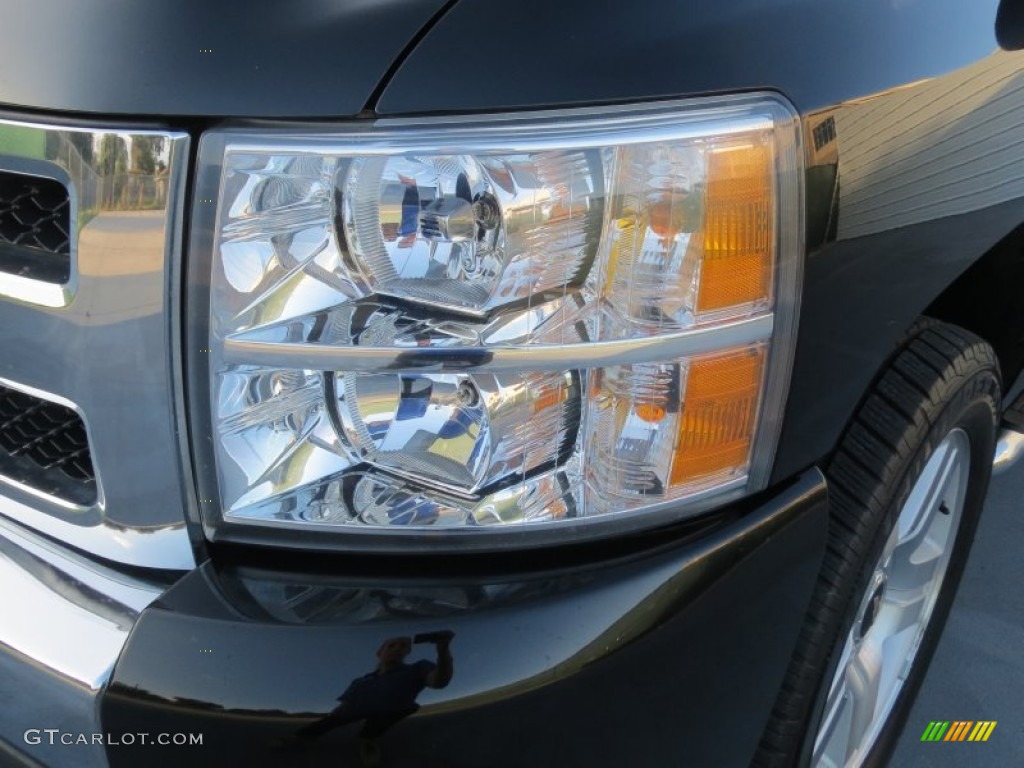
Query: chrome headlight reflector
{"x":554,"y":323}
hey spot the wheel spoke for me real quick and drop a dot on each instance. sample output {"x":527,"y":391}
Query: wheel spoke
{"x":905,"y":608}
{"x":832,"y":743}
{"x":834,"y":736}
{"x":891,"y":544}
{"x":927,"y":503}
{"x":839,"y":689}
{"x":906,"y":576}
{"x":863,"y":680}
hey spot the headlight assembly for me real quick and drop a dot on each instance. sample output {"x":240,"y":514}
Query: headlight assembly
{"x":492,"y":330}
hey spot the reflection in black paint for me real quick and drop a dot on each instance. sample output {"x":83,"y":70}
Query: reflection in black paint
{"x":385,"y":696}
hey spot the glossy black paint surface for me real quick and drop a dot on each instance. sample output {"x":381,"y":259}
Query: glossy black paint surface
{"x":861,"y":297}
{"x":260,"y":58}
{"x":926,"y":181}
{"x":494,"y":56}
{"x":677,"y":652}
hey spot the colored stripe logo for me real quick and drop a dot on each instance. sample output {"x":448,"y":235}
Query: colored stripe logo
{"x":959,"y":730}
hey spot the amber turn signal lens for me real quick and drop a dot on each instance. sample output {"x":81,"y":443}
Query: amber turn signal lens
{"x":719,"y":415}
{"x":738,"y":235}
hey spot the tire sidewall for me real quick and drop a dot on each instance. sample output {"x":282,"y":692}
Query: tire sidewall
{"x":972,"y":408}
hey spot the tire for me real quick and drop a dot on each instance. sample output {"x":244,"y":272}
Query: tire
{"x":929,"y":422}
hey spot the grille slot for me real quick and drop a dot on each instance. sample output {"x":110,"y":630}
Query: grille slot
{"x":35,"y":227}
{"x":44,"y":445}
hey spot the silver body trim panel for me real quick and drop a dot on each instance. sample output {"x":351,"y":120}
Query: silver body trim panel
{"x":65,"y":612}
{"x":167,"y":547}
{"x":105,"y":346}
{"x":65,"y":620}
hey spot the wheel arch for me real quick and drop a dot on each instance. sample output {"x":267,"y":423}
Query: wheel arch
{"x":986,"y":300}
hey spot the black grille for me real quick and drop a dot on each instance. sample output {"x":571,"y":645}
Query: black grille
{"x":44,"y":445}
{"x":35,"y":227}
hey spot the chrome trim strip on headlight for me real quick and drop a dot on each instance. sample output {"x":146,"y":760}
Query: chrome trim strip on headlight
{"x":104,"y":343}
{"x":555,"y":357}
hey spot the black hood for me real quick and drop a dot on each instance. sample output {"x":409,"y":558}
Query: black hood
{"x":266,"y":58}
{"x":488,"y":55}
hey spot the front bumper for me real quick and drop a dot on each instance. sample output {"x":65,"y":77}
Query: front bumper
{"x":671,"y":657}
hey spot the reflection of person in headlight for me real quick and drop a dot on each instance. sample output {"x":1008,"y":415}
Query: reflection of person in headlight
{"x":386,"y":695}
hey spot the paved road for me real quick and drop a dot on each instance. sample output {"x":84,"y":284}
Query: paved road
{"x":978,"y":670}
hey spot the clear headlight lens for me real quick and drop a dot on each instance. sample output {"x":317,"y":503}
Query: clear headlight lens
{"x":455,"y":430}
{"x":555,"y":319}
{"x":469,"y":233}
